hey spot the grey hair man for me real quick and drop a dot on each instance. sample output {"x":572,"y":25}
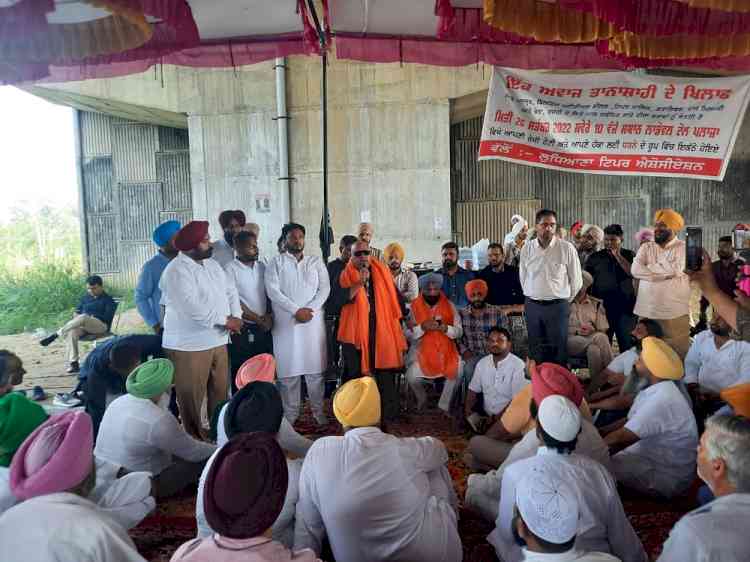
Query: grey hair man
{"x":718,"y":530}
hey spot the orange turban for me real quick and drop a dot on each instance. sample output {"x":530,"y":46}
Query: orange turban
{"x":476,"y":285}
{"x":671,"y":218}
{"x":394,"y":249}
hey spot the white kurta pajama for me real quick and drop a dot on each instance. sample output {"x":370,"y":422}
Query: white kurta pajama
{"x":378,"y":498}
{"x":662,"y":462}
{"x":414,"y":374}
{"x":127,"y":500}
{"x":300,"y":348}
{"x":602,"y":525}
{"x":717,"y":369}
{"x":483,"y":490}
{"x":715,"y":532}
{"x":63,"y":527}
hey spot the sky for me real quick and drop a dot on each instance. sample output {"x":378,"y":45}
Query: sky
{"x":37,"y":153}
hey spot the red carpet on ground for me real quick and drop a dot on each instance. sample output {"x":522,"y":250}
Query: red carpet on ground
{"x":173,"y":522}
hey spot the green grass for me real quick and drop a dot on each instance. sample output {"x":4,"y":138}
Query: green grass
{"x":44,"y":296}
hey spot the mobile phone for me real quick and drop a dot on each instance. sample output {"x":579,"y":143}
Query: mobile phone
{"x":694,"y":253}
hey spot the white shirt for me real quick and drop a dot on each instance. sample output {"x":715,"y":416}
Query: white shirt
{"x":282,"y":529}
{"x":300,"y":349}
{"x":663,"y":420}
{"x":126,"y":500}
{"x":483,"y":490}
{"x":658,"y":297}
{"x":498,"y":383}
{"x":717,"y":369}
{"x":223,"y":253}
{"x":551,"y":273}
{"x":370,"y":493}
{"x":57,"y":527}
{"x":198,"y":298}
{"x":715,"y":532}
{"x":407,"y":284}
{"x":250,"y":284}
{"x":623,"y":363}
{"x":574,"y":555}
{"x":288,"y":438}
{"x":602,"y":526}
{"x":139,"y":435}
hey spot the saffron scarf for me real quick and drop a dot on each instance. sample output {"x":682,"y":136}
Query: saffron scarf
{"x":354,"y":324}
{"x":437,"y":353}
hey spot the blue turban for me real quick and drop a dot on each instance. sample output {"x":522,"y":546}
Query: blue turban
{"x":165,"y":231}
{"x":433,"y":278}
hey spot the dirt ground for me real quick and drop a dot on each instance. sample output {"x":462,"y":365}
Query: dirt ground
{"x":46,"y":366}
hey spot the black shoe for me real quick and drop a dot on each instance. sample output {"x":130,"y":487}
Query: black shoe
{"x":74,"y":368}
{"x":48,"y":340}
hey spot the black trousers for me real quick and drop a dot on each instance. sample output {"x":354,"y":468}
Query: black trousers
{"x":547,"y":324}
{"x":386,"y":381}
{"x":250,"y":342}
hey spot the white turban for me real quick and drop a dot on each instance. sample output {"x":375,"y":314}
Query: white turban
{"x":548,"y":505}
{"x":560,"y":418}
{"x":519,"y":223}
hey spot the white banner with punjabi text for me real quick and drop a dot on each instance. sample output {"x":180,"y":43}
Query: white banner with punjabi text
{"x":614,"y":122}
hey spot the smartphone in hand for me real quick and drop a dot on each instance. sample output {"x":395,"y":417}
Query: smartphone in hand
{"x":694,"y":253}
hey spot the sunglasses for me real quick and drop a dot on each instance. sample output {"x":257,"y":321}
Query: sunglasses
{"x":361,"y":253}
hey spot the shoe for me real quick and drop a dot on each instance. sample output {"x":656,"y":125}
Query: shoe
{"x":74,"y":367}
{"x":44,"y":342}
{"x":66,"y":400}
{"x":38,"y":394}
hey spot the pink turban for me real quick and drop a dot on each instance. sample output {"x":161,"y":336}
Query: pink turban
{"x":56,"y":457}
{"x":548,"y":379}
{"x":259,"y":368}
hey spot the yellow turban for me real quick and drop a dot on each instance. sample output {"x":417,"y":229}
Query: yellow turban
{"x":661,"y":359}
{"x":393,"y":249}
{"x":357,"y":403}
{"x":671,"y":218}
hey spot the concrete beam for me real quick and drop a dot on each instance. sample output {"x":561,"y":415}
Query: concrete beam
{"x":111,"y":107}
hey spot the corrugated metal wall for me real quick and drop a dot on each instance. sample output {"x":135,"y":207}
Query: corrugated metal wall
{"x":134,"y":176}
{"x":485,"y":194}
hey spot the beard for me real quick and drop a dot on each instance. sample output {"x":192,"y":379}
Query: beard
{"x":726,"y":255}
{"x":449,"y":264}
{"x":394,"y":266}
{"x":722,"y":331}
{"x":296,"y":249}
{"x":478,"y":304}
{"x":247,"y":259}
{"x":229,"y":238}
{"x":432,"y":300}
{"x":662,"y":236}
{"x":198,"y":255}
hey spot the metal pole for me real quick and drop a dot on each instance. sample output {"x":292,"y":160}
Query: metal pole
{"x":326,"y":242}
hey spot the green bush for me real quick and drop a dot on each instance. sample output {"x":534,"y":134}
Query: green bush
{"x":43,"y":296}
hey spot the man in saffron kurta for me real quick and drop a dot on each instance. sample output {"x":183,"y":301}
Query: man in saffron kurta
{"x":370,"y":328}
{"x":436,"y":326}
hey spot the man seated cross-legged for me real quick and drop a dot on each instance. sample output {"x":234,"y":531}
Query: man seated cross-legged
{"x":375,"y":496}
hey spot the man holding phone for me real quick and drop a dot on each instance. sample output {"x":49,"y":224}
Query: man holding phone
{"x":664,"y":290}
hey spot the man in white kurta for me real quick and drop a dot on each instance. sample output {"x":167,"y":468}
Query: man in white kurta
{"x":140,"y":434}
{"x":202,"y":308}
{"x":602,"y":525}
{"x":63,"y":526}
{"x":664,"y":288}
{"x":483,"y":490}
{"x":657,"y":442}
{"x":432,"y":298}
{"x":716,"y":361}
{"x":298,"y":287}
{"x":267,"y":415}
{"x":376,"y":497}
{"x":717,"y":531}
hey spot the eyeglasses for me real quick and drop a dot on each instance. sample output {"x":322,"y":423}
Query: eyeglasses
{"x":361,"y":253}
